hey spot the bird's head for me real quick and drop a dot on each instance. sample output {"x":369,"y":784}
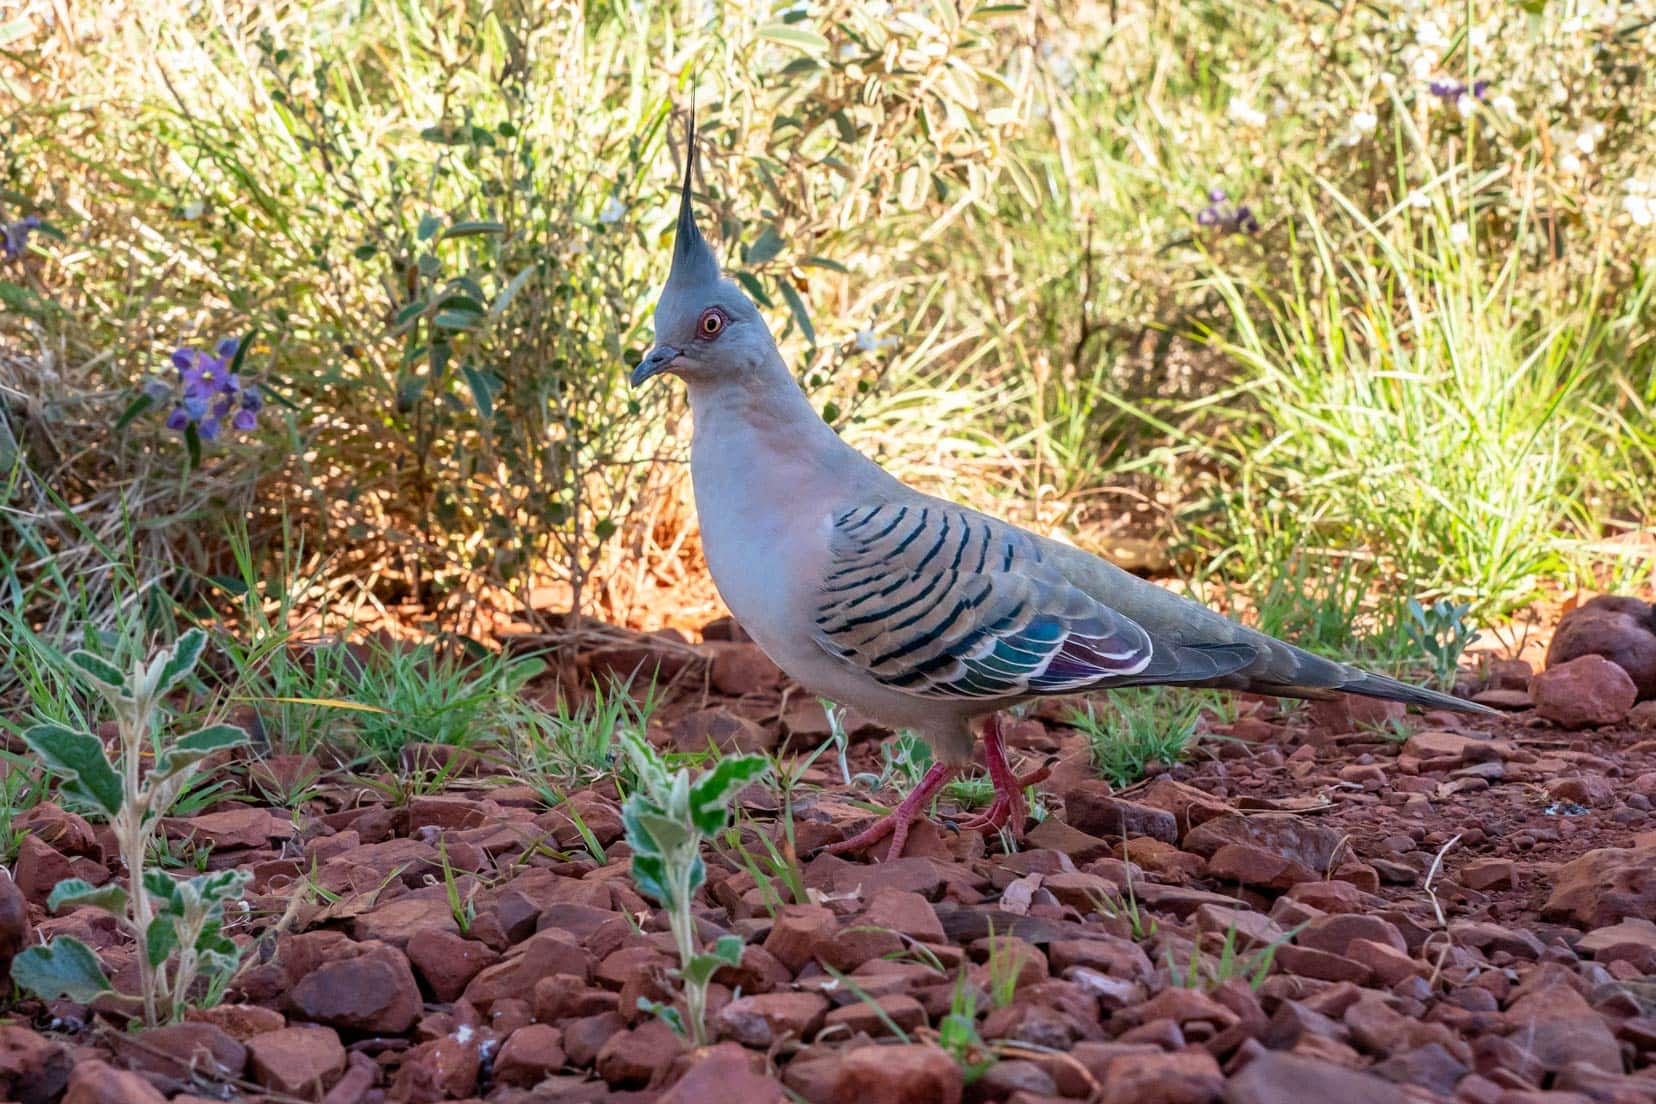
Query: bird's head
{"x":706,"y":329}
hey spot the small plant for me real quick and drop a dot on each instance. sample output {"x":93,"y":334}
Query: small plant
{"x":957,"y":1033}
{"x":1442,"y":634}
{"x":1144,"y":726}
{"x":577,"y":743}
{"x":667,"y":819}
{"x":175,"y":923}
{"x":1255,"y":968}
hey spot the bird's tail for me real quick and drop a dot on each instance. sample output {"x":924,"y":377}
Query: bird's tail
{"x":1380,"y":686}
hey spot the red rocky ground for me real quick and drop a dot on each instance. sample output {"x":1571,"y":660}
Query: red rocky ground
{"x":1465,"y":915}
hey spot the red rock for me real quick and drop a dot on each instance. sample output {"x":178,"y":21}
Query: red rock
{"x":1606,"y":885}
{"x":33,"y":1069}
{"x":1322,"y":965}
{"x":40,"y":868}
{"x":1252,"y":929}
{"x":1311,"y":845}
{"x":1509,"y":698}
{"x":239,"y":1021}
{"x":297,"y":1061}
{"x":640,"y":1057}
{"x":447,"y":962}
{"x":444,"y":1068}
{"x":1331,"y":896}
{"x":1335,"y":933}
{"x":1255,"y":866}
{"x":542,"y":954}
{"x":1094,"y":809}
{"x":1279,"y":1078}
{"x":1487,"y":874}
{"x":250,"y":826}
{"x":1354,"y":713}
{"x":742,"y":669}
{"x":904,"y":912}
{"x":529,"y":1055}
{"x":96,"y":1082}
{"x":1431,"y":1067}
{"x":1583,"y":693}
{"x":898,"y":1075}
{"x":877,"y":1017}
{"x":373,"y":991}
{"x":722,"y":1075}
{"x":1592,"y":790}
{"x":1390,"y":965}
{"x":15,"y":930}
{"x":726,"y":732}
{"x":65,"y":832}
{"x":1189,"y":805}
{"x":1116,"y":957}
{"x":1438,"y":749}
{"x":1560,"y":1028}
{"x":761,"y":1021}
{"x":1185,"y":1077}
{"x":797,"y":933}
{"x":174,"y":1051}
{"x":1622,"y":630}
{"x":1617,"y":940}
{"x":1054,"y":835}
{"x":398,"y":921}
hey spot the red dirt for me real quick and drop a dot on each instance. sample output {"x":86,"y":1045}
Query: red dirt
{"x":1432,"y":943}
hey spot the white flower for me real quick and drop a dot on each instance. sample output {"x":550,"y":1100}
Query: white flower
{"x":1364,"y":122}
{"x":1388,"y":80}
{"x":612,"y":211}
{"x":868,"y":343}
{"x":1465,"y":105}
{"x":1417,"y":199}
{"x":1421,"y":67}
{"x":1245,"y":113}
{"x":1640,"y":201}
{"x":1587,"y":140}
{"x":1570,"y":163}
{"x":1430,"y":35}
{"x":1504,"y":104}
{"x":1458,"y":233}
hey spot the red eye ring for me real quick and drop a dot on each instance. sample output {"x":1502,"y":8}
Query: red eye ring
{"x":711,"y":323}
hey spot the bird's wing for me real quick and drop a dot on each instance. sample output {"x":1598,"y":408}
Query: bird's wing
{"x":937,"y":601}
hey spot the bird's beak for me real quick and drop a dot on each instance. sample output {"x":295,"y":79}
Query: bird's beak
{"x":655,"y":362}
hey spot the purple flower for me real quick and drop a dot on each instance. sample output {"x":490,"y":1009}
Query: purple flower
{"x":210,"y":392}
{"x":1219,"y":213}
{"x":1445,"y":89}
{"x":14,"y":236}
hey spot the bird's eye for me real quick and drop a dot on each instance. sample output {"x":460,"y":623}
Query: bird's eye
{"x":712,"y":321}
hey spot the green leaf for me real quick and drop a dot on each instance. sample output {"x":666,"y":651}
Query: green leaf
{"x":797,"y":37}
{"x":80,"y":757}
{"x":99,"y":670}
{"x":484,"y":387}
{"x":192,"y":445}
{"x":701,"y":968}
{"x":162,"y":886}
{"x":198,"y":745}
{"x":510,"y":291}
{"x":161,"y":940}
{"x":711,"y":795}
{"x":78,"y":891}
{"x":668,"y":833}
{"x":796,"y":306}
{"x":473,"y":229}
{"x":64,"y":968}
{"x":219,"y":886}
{"x":767,"y":247}
{"x":754,"y":288}
{"x":185,"y":655}
{"x":728,"y":949}
{"x":649,"y":875}
{"x":429,"y":225}
{"x":142,"y":403}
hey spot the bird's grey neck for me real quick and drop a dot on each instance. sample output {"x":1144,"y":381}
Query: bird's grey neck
{"x":770,"y":404}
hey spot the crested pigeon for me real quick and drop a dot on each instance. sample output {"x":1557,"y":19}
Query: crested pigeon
{"x":915,"y":611}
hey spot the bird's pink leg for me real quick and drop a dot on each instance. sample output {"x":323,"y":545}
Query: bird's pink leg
{"x":1009,"y":806}
{"x":896,"y":823}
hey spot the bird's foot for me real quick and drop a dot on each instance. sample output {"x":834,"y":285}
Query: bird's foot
{"x":896,"y":823}
{"x":1009,"y":806}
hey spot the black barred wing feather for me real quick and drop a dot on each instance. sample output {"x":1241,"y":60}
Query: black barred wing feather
{"x":938,"y":602}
